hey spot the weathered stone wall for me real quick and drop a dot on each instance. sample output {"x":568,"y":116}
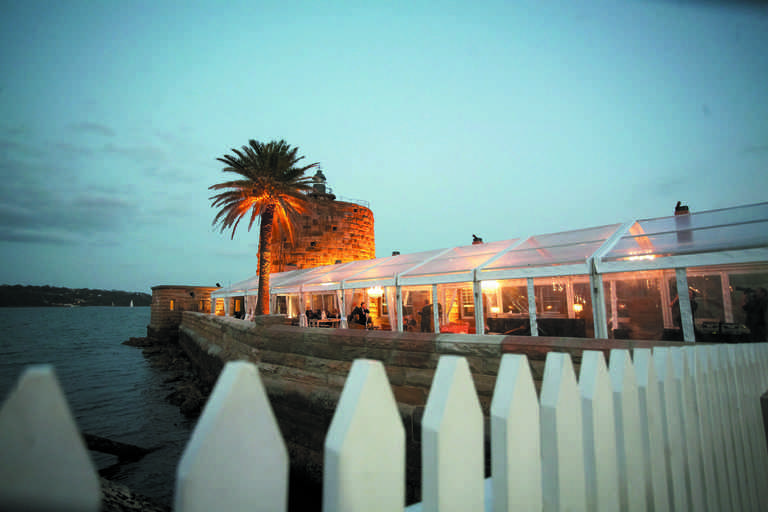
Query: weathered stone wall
{"x":330,"y":231}
{"x":304,"y":371}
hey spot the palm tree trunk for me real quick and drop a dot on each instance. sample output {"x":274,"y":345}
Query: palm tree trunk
{"x":265,"y":259}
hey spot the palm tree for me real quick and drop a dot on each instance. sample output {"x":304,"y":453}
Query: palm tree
{"x":272,"y":189}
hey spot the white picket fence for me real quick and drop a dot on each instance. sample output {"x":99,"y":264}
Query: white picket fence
{"x":672,"y":429}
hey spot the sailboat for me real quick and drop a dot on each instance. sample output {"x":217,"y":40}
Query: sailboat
{"x":131,"y":302}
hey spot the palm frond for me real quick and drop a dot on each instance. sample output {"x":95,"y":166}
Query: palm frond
{"x":271,"y":176}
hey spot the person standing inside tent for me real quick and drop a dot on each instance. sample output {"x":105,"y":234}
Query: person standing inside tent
{"x":755,"y":306}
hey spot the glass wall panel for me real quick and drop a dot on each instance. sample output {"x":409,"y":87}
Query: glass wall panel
{"x":281,"y":305}
{"x":373,"y":299}
{"x":729,"y":303}
{"x":505,"y":303}
{"x":749,"y":301}
{"x":377,"y":305}
{"x":636,"y":302}
{"x":417,"y":309}
{"x":352,"y":299}
{"x":564,"y":306}
{"x":457,"y":313}
{"x":323,"y":305}
{"x":581,"y":308}
{"x":293,"y":306}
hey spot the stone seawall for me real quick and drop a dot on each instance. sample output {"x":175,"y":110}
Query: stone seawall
{"x":304,"y":369}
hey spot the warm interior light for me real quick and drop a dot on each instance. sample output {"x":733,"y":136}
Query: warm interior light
{"x":495,"y":309}
{"x":489,"y":286}
{"x":640,"y":257}
{"x":375,"y":292}
{"x":578,"y":308}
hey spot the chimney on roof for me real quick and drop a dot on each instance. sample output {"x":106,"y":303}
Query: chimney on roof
{"x":681,"y":209}
{"x":683,"y":224}
{"x":395,"y":253}
{"x":476,"y":240}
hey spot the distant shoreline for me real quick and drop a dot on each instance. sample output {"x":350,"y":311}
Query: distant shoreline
{"x":52,"y":296}
{"x":70,"y":306}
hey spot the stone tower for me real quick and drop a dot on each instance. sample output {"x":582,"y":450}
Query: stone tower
{"x":330,"y":232}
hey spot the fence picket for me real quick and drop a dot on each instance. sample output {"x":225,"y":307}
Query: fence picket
{"x":744,"y":468}
{"x":760,"y":353}
{"x":723,"y":424}
{"x":748,"y":355}
{"x":689,"y":422}
{"x":452,"y":441}
{"x":364,"y":464}
{"x":674,"y":442}
{"x":626,"y":408}
{"x":236,"y":459}
{"x":515,"y":438}
{"x":697,"y":368}
{"x":599,"y":432}
{"x":562,"y":446}
{"x":652,"y":433}
{"x":676,"y":429}
{"x":44,"y":464}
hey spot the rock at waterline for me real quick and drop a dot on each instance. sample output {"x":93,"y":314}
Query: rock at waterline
{"x":189,"y":392}
{"x":119,"y":498}
{"x":138,"y":342}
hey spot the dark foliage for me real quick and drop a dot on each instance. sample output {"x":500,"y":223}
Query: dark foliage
{"x":51,"y":296}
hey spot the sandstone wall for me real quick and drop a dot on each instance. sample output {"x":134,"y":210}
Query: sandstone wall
{"x":164,"y":319}
{"x":304,"y":371}
{"x":331,"y":231}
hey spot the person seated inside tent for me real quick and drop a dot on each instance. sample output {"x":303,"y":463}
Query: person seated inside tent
{"x":361,"y":316}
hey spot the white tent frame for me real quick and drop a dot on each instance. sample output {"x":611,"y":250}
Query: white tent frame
{"x":594,"y":266}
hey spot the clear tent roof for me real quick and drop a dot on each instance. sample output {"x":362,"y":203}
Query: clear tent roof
{"x":250,"y":285}
{"x":664,"y":242}
{"x":297,"y":279}
{"x":332,"y":279}
{"x":384,"y":274}
{"x":455,"y":264}
{"x":744,"y":227}
{"x":568,"y":247}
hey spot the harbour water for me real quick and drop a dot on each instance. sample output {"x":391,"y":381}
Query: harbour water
{"x":111,"y":388}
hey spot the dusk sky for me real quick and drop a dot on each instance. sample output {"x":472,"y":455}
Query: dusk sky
{"x":502,"y":119}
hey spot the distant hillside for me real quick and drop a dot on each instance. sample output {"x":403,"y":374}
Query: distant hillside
{"x":51,"y":296}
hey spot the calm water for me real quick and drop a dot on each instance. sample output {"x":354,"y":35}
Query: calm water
{"x":112,"y":390}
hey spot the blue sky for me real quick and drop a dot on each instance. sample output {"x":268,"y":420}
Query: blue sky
{"x":503,"y":119}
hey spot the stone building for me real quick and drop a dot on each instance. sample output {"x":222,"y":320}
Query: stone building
{"x":169,"y":301}
{"x":330,"y":232}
